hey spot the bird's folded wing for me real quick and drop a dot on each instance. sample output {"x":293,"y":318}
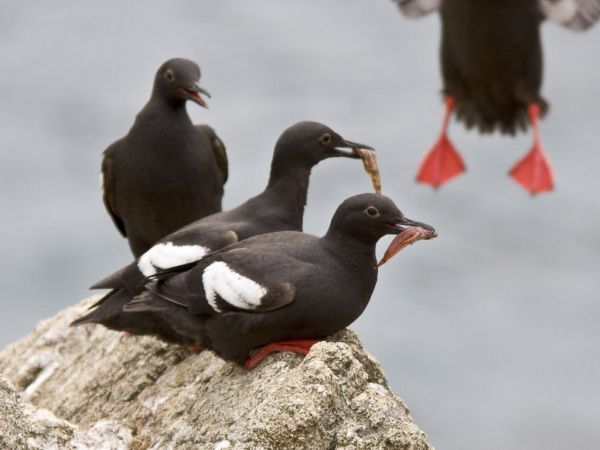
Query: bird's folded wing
{"x":417,"y":8}
{"x":218,"y":149}
{"x":107,"y":185}
{"x":238,"y":280}
{"x":577,"y":15}
{"x":248,"y":280}
{"x":177,"y":250}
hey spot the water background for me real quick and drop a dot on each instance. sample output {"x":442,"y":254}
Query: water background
{"x":490,"y":333}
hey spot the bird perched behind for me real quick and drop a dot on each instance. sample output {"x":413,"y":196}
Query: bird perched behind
{"x":166,"y":172}
{"x":280,"y":290}
{"x":491,"y":57}
{"x":279,"y":207}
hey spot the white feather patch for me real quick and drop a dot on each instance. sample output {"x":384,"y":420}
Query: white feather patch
{"x":102,"y":184}
{"x":165,"y":256}
{"x":235,"y":289}
{"x":559,"y":11}
{"x":417,"y":8}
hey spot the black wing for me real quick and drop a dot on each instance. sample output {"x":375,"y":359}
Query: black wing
{"x":107,"y":182}
{"x":186,"y":246}
{"x":577,"y":15}
{"x":241,"y":279}
{"x":218,"y":149}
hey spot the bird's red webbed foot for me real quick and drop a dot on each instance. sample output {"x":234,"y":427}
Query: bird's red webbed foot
{"x":534,"y":171}
{"x":298,"y":346}
{"x":196,"y":348}
{"x":442,"y":162}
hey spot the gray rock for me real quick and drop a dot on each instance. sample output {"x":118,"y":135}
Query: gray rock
{"x":113,"y":391}
{"x":23,"y":426}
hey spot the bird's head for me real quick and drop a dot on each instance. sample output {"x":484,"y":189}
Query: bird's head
{"x":177,"y":82}
{"x":307,"y":143}
{"x":368,"y":217}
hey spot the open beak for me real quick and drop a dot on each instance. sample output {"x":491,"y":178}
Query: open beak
{"x":408,"y":232}
{"x":194,"y":92}
{"x":402,"y":224}
{"x":353,"y":152}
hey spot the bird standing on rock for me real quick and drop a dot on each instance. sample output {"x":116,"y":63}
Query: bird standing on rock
{"x":282,"y":290}
{"x":491,"y":56}
{"x":279,"y":207}
{"x":166,"y":172}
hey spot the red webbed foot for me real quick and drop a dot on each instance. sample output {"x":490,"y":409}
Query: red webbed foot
{"x":534,"y":171}
{"x":442,"y":162}
{"x":196,"y":348}
{"x":298,"y":346}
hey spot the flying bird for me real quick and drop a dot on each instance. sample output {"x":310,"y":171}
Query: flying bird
{"x":491,"y":58}
{"x":279,"y":291}
{"x":279,"y":207}
{"x":166,"y":172}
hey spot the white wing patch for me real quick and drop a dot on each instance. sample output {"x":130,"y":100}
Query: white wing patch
{"x":417,"y":8}
{"x":575,"y":14}
{"x":235,"y":289}
{"x":165,"y":256}
{"x":102,"y":183}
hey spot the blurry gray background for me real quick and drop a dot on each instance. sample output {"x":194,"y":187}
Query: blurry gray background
{"x":490,"y":333}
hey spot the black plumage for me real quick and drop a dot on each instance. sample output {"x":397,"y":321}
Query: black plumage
{"x":166,"y":172}
{"x":279,"y":207}
{"x":284,"y":286}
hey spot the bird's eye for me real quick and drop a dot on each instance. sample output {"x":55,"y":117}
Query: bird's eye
{"x":372,"y":211}
{"x":325,"y":139}
{"x":169,"y":75}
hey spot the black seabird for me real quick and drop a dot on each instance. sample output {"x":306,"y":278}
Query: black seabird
{"x":491,"y":56}
{"x":166,"y":172}
{"x":282,"y":290}
{"x":279,"y":207}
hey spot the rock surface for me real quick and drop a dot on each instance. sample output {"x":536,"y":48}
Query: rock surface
{"x":112,"y":391}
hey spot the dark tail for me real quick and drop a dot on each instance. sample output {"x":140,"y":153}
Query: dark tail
{"x":490,"y":111}
{"x":107,"y":310}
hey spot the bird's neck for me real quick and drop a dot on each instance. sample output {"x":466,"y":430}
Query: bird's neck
{"x":351,"y":249}
{"x":160,"y":107}
{"x":287,"y":190}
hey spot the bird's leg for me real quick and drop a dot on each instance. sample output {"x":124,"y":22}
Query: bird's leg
{"x":298,"y":346}
{"x":442,"y":162}
{"x":196,"y":348}
{"x":534,"y":171}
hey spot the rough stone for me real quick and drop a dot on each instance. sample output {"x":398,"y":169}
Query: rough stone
{"x":111,"y":391}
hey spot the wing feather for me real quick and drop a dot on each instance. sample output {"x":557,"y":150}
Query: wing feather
{"x":576,"y":15}
{"x":418,"y":8}
{"x":108,"y":193}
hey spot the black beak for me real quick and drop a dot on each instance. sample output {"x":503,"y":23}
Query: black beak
{"x":337,"y":151}
{"x":194,"y":92}
{"x":401,"y":225}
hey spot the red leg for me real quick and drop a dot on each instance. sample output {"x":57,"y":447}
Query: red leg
{"x":298,"y":346}
{"x":196,"y":348}
{"x":442,"y":162}
{"x":534,"y":171}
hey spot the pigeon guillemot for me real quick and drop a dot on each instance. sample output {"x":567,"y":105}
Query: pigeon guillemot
{"x":283,"y":290}
{"x":166,"y":172}
{"x":491,"y":56}
{"x":279,"y":207}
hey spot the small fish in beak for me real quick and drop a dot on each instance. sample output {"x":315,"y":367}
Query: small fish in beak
{"x":369,"y":159}
{"x":408,"y":236}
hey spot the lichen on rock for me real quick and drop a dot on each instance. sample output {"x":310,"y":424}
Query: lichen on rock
{"x":150,"y":395}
